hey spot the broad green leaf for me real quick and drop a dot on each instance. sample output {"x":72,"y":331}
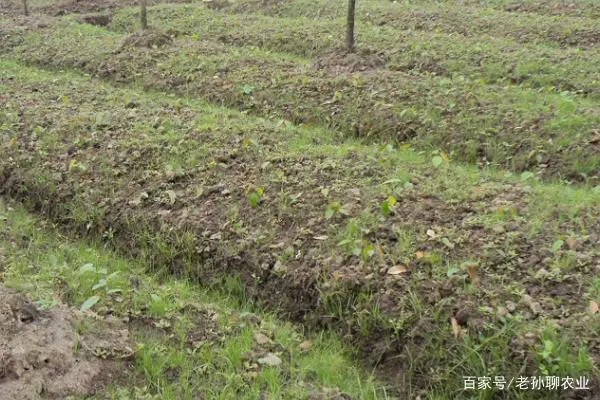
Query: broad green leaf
{"x":329,"y":213}
{"x":447,"y":242}
{"x":86,"y":268}
{"x":452,"y":269}
{"x":155,"y":297}
{"x":386,"y":209}
{"x":248,"y":89}
{"x":89,"y":303}
{"x":254,"y":198}
{"x":557,"y":245}
{"x":368,"y":251}
{"x":99,"y":285}
{"x":113,"y":275}
{"x":527,"y":175}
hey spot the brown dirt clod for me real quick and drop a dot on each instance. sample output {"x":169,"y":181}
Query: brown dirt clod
{"x":38,"y":356}
{"x":98,"y":19}
{"x":147,"y":38}
{"x":343,"y":62}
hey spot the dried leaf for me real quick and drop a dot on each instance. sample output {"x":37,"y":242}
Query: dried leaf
{"x":261,"y":339}
{"x":305,"y":346}
{"x":455,"y":327}
{"x":172,"y":196}
{"x":473,"y":270}
{"x":420,"y":254}
{"x":270,"y":359}
{"x":279,"y":267}
{"x":397,"y":269}
{"x":534,"y":306}
{"x":593,"y":308}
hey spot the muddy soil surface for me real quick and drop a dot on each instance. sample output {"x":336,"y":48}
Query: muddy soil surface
{"x":38,"y":355}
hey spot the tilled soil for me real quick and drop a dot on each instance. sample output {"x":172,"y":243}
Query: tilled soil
{"x":388,"y":281}
{"x":38,"y":356}
{"x":351,"y":94}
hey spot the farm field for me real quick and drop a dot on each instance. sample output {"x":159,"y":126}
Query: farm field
{"x":431,"y":201}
